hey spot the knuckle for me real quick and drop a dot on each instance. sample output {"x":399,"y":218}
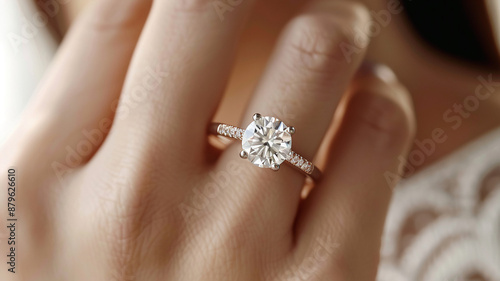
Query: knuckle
{"x":191,"y":6}
{"x":313,"y":45}
{"x":117,"y":15}
{"x":355,"y":11}
{"x":317,"y":40}
{"x":321,"y":41}
{"x":383,"y":119}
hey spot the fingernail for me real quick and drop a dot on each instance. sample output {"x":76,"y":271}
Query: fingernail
{"x":382,"y":71}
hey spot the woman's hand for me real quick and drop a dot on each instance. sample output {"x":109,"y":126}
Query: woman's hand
{"x":152,"y":200}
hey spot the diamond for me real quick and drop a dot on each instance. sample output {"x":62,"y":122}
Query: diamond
{"x":306,"y":167}
{"x":267,"y":141}
{"x":295,"y":158}
{"x":238,"y":134}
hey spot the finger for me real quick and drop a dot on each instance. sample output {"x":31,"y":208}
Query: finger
{"x":177,"y":76}
{"x":302,"y":85}
{"x":75,"y":97}
{"x":309,"y":74}
{"x":347,"y":210}
{"x":74,"y":104}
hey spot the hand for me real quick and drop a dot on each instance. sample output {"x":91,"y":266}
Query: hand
{"x":152,"y":200}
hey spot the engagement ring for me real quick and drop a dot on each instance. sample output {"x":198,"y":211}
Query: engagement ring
{"x":267,"y":143}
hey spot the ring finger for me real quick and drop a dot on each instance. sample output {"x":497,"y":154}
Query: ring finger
{"x":302,"y":86}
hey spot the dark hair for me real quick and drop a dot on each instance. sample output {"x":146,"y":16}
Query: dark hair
{"x":459,"y":28}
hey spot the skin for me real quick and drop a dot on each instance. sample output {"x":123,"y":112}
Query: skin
{"x":130,"y":208}
{"x":436,"y":82}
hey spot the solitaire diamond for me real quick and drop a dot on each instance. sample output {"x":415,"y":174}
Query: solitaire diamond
{"x":267,"y":141}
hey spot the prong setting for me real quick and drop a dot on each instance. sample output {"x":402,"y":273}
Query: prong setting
{"x":266,"y":141}
{"x":243,"y":154}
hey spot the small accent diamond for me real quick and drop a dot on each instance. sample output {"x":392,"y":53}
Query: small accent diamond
{"x":238,"y":134}
{"x":307,"y":167}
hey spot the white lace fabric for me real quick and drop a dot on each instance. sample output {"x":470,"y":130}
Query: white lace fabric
{"x":444,"y":223}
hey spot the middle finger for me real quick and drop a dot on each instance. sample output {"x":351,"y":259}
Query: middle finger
{"x":176,"y":79}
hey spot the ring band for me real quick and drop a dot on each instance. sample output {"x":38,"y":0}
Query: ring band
{"x":267,"y":143}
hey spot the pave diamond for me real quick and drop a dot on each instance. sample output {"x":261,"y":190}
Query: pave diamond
{"x":230,"y":131}
{"x":267,"y":142}
{"x":307,"y":167}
